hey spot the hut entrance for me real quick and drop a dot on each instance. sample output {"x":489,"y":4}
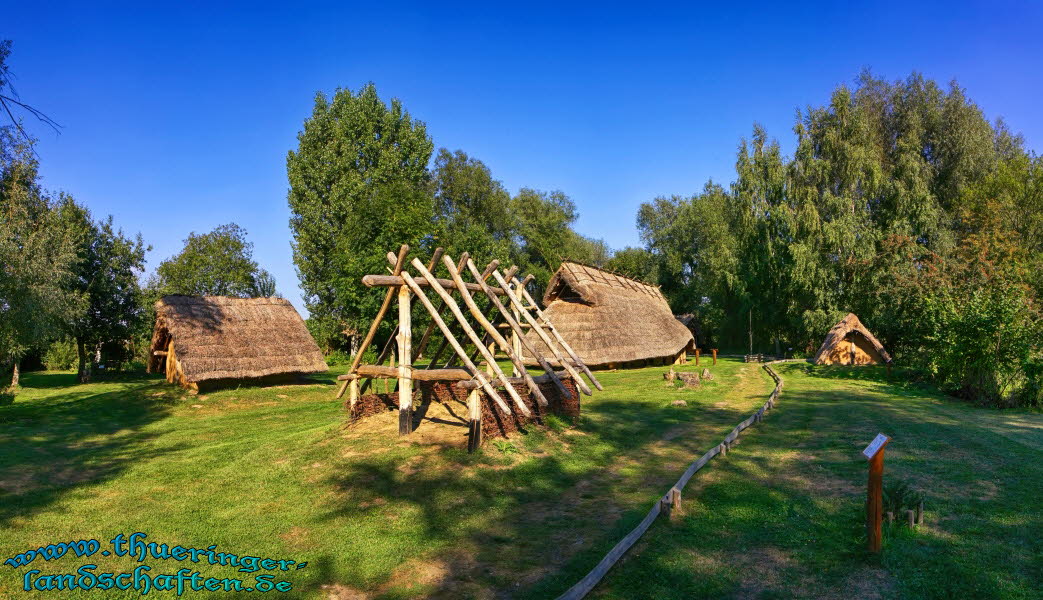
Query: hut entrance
{"x":855,"y":349}
{"x":850,"y":343}
{"x":499,"y":317}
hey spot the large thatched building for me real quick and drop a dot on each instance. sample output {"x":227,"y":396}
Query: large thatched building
{"x":850,"y":343}
{"x":215,"y":339}
{"x":613,"y":321}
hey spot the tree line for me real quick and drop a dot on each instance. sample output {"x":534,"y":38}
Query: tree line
{"x":903,"y":204}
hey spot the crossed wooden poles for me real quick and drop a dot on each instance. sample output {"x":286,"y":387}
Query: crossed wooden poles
{"x":509,"y":307}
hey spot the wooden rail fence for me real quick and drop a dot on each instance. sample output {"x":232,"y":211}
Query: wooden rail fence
{"x":672,"y":496}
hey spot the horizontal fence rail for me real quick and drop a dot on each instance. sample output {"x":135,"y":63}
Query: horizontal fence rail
{"x":585,"y":585}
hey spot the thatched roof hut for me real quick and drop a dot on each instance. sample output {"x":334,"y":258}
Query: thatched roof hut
{"x":207,"y":339}
{"x":850,"y":343}
{"x":611,"y":320}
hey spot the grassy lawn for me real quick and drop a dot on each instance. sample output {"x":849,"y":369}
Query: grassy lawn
{"x":272,"y":472}
{"x":781,"y":517}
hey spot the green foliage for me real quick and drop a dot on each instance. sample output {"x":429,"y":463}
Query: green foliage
{"x":901,"y":203}
{"x":218,"y":263}
{"x":555,"y":423}
{"x":899,"y":497}
{"x":36,"y":256}
{"x":358,"y":189}
{"x":505,"y":447}
{"x":60,"y":355}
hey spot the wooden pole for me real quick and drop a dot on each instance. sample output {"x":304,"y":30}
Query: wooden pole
{"x":420,"y":347}
{"x":561,"y":340}
{"x":474,"y":420}
{"x":538,"y":328}
{"x":353,"y":396}
{"x":401,"y":259}
{"x":405,"y":352}
{"x":455,"y":308}
{"x":697,"y":356}
{"x":714,"y":356}
{"x":875,"y":499}
{"x":519,"y":336}
{"x":489,"y":389}
{"x":497,"y":338}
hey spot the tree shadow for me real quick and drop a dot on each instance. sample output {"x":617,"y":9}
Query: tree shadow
{"x":51,"y":446}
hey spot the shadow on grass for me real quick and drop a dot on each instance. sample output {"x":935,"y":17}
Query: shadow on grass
{"x":53,"y":445}
{"x":554,"y":517}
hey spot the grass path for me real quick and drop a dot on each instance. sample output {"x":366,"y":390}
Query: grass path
{"x":782,"y":517}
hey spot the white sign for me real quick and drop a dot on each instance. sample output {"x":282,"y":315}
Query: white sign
{"x":875,"y":445}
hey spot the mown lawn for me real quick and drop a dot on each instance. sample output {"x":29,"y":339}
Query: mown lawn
{"x":782,"y":516}
{"x":272,"y":472}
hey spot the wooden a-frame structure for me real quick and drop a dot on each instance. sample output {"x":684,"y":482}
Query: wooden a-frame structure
{"x":509,"y":307}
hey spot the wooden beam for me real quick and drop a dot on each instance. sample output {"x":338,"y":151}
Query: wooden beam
{"x":539,"y":379}
{"x":489,"y":314}
{"x":491,"y":330}
{"x":384,"y":372}
{"x":517,"y":303}
{"x":455,"y":308}
{"x":561,"y":340}
{"x":401,"y":259}
{"x":512,"y":322}
{"x":405,"y":352}
{"x":474,"y":421}
{"x":394,"y":281}
{"x":452,"y":341}
{"x":419,"y":351}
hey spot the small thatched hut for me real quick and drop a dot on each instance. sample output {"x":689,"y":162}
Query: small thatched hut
{"x":850,"y":343}
{"x":612,"y":321}
{"x":215,"y":339}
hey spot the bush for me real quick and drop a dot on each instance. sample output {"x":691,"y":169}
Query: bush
{"x":899,"y":497}
{"x":60,"y":356}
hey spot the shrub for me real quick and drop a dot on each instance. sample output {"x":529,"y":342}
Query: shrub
{"x":899,"y":496}
{"x":60,"y":356}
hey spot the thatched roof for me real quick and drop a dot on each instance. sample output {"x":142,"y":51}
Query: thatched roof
{"x":847,"y":325}
{"x":234,"y":338}
{"x":611,"y":319}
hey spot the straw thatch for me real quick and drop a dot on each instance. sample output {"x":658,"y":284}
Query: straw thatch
{"x":611,"y":320}
{"x":850,"y":343}
{"x":210,"y":338}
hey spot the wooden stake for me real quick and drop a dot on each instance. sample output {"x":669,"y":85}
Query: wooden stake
{"x":475,"y":339}
{"x":353,"y":396}
{"x":697,"y":356}
{"x":911,"y":515}
{"x":474,"y":420}
{"x":490,"y":329}
{"x":401,"y":259}
{"x":714,"y":356}
{"x":420,"y":347}
{"x":675,"y":501}
{"x":489,"y":389}
{"x":561,"y":340}
{"x":874,"y":498}
{"x":538,"y":328}
{"x":919,"y":514}
{"x":405,"y":352}
{"x":519,"y":335}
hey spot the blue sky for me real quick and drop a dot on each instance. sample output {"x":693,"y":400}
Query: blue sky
{"x":178,"y":118}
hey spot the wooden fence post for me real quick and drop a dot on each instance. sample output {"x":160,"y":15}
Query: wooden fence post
{"x":474,"y":420}
{"x":875,"y":501}
{"x":714,"y":356}
{"x":405,"y":354}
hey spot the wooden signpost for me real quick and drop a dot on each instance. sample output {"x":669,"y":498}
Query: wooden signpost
{"x":874,"y":453}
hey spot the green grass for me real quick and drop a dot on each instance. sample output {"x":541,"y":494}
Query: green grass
{"x":273,"y":472}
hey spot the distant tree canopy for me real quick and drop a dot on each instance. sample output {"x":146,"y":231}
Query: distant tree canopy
{"x":903,"y":204}
{"x":218,"y":263}
{"x":360,"y":186}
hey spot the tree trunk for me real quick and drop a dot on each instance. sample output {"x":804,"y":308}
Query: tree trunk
{"x":15,"y":374}
{"x":83,"y":374}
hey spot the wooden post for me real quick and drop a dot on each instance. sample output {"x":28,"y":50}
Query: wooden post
{"x":919,"y":514}
{"x":353,"y":396}
{"x":474,"y":420}
{"x":697,"y":356}
{"x":911,"y":515}
{"x":890,"y":517}
{"x":405,"y":353}
{"x":675,"y":501}
{"x":714,"y":356}
{"x":516,"y":346}
{"x":874,"y":452}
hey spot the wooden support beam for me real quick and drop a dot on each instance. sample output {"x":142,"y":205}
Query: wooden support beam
{"x":489,"y":313}
{"x":159,"y":353}
{"x":419,"y":351}
{"x":539,"y":379}
{"x":394,"y":281}
{"x":399,"y":261}
{"x":516,"y":302}
{"x":561,"y":340}
{"x":452,"y":341}
{"x":455,"y":308}
{"x":353,"y":396}
{"x":512,"y":321}
{"x":405,"y":352}
{"x":474,"y":421}
{"x":384,"y":372}
{"x":472,"y":306}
